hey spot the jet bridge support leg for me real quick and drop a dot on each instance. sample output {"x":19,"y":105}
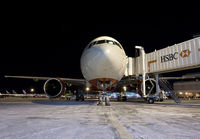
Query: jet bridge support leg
{"x":143,"y":71}
{"x":144,"y":85}
{"x":158,"y":94}
{"x":142,"y":54}
{"x":157,"y":84}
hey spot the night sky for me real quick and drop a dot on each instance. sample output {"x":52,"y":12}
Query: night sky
{"x":48,"y":41}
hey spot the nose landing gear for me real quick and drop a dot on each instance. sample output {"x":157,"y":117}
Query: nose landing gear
{"x":104,"y":98}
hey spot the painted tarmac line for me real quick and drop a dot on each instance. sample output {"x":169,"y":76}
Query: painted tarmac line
{"x":123,"y":133}
{"x":96,"y":123}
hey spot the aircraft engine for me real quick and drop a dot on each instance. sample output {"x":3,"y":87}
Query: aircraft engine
{"x":54,"y":87}
{"x":150,"y":87}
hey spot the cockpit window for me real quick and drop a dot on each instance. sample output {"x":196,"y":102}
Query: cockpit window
{"x":104,"y":41}
{"x":91,"y":44}
{"x":101,"y":41}
{"x":110,"y":42}
{"x":116,"y":43}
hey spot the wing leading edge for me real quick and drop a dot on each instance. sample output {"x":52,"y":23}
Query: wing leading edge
{"x":35,"y":78}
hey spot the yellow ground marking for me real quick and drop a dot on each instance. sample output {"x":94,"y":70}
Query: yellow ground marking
{"x":128,"y":123}
{"x":96,"y":123}
{"x":123,"y":133}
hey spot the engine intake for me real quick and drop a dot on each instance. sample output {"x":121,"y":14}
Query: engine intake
{"x":54,"y":87}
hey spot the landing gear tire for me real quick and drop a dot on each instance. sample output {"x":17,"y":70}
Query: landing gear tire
{"x":150,"y":100}
{"x":118,"y":98}
{"x":107,"y":101}
{"x":124,"y":98}
{"x":77,"y":98}
{"x":82,"y":98}
{"x":100,"y":102}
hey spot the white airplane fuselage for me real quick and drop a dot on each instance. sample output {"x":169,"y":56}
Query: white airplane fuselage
{"x":103,"y":60}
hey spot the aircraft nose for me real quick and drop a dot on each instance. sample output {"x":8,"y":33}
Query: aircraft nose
{"x":101,"y":56}
{"x":94,"y":60}
{"x":101,"y":61}
{"x":96,"y":55}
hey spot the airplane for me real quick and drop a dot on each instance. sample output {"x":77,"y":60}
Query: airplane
{"x":15,"y":94}
{"x":103,"y":65}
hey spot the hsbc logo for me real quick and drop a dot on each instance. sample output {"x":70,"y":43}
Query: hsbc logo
{"x":174,"y":56}
{"x":185,"y":53}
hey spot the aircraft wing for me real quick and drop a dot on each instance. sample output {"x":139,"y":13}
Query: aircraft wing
{"x":35,"y":78}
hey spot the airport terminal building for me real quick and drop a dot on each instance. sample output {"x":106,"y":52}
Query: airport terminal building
{"x":189,"y":88}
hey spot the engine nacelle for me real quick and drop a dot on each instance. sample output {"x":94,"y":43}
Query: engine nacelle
{"x":54,"y":87}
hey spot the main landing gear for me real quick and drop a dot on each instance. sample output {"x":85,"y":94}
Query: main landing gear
{"x":150,"y":100}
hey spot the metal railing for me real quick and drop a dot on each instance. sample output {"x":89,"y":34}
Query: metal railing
{"x":167,"y":87}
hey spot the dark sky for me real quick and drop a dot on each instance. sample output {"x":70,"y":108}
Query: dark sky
{"x":48,"y":40}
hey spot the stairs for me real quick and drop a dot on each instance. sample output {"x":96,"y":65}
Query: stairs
{"x":167,"y":87}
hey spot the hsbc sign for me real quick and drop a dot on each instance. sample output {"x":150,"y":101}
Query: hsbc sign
{"x":169,"y":57}
{"x":185,"y":53}
{"x":174,"y":56}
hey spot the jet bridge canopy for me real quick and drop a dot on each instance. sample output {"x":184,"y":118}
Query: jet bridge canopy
{"x":185,"y":55}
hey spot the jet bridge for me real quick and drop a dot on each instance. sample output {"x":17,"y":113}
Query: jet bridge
{"x":185,"y":55}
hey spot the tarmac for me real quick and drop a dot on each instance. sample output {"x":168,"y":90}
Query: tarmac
{"x":60,"y":119}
